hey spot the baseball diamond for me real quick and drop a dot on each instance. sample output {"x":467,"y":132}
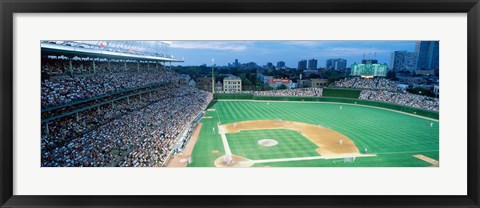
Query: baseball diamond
{"x":314,"y":134}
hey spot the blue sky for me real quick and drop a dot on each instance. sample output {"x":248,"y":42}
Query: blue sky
{"x":261,"y":52}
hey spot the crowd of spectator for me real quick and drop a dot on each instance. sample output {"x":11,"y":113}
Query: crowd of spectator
{"x":303,"y":92}
{"x":138,"y":132}
{"x":401,"y":98}
{"x":375,"y":83}
{"x":61,"y":66}
{"x":60,"y":91}
{"x":234,"y":92}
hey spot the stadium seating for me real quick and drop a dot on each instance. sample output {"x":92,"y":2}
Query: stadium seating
{"x":137,"y":129}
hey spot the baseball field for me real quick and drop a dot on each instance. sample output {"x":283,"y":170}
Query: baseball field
{"x":312,"y":134}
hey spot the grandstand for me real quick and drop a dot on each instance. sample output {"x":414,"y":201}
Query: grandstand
{"x":112,"y":103}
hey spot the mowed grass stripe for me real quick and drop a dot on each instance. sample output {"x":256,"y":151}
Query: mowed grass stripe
{"x":290,"y":144}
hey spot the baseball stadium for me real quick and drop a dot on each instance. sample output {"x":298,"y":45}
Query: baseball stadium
{"x":120,"y":104}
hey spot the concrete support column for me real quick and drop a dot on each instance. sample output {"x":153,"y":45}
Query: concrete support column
{"x":94,"y":70}
{"x":70,"y":66}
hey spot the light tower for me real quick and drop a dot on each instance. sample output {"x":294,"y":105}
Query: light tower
{"x":213,"y":78}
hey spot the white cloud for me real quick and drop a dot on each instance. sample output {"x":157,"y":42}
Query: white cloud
{"x":213,"y":45}
{"x":350,"y":51}
{"x":308,"y":43}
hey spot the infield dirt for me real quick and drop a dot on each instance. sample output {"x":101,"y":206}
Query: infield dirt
{"x":181,"y":160}
{"x":329,"y":142}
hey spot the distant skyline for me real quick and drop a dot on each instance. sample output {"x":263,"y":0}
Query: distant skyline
{"x":261,"y":52}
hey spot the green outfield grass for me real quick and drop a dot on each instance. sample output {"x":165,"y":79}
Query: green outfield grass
{"x":393,"y":136}
{"x":290,"y":144}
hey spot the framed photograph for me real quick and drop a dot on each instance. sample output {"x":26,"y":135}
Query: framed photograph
{"x":247,"y":104}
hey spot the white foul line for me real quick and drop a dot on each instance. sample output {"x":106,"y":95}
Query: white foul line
{"x":310,"y":158}
{"x":228,"y":152}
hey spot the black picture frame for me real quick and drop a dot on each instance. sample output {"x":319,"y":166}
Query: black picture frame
{"x":10,"y":7}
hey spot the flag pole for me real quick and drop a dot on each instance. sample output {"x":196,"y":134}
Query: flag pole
{"x":213,"y":78}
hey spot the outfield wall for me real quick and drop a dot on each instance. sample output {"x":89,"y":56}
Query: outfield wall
{"x":406,"y":109}
{"x":233,"y":96}
{"x":341,"y":92}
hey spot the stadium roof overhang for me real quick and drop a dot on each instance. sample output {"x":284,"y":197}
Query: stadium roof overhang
{"x":71,"y":50}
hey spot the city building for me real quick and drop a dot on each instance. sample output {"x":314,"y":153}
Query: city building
{"x":302,"y":65}
{"x":276,"y":83}
{"x":305,"y":83}
{"x":204,"y":83}
{"x":232,"y":84}
{"x":425,"y":72}
{"x":336,"y":64}
{"x":184,"y":79}
{"x":312,"y":64}
{"x":280,"y":64}
{"x":259,"y":75}
{"x":372,"y":61}
{"x":428,"y":55}
{"x":318,"y":83}
{"x":308,"y":73}
{"x":236,"y":64}
{"x":250,"y":65}
{"x":270,"y":66}
{"x":368,"y":69}
{"x":192,"y":83}
{"x":293,"y":85}
{"x":404,"y":61}
{"x":218,"y":86}
{"x":265,"y":79}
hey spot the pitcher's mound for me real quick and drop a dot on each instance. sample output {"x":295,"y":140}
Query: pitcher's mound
{"x":267,"y":142}
{"x":237,"y":162}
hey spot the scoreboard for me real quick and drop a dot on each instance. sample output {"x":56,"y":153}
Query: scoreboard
{"x":369,"y":70}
